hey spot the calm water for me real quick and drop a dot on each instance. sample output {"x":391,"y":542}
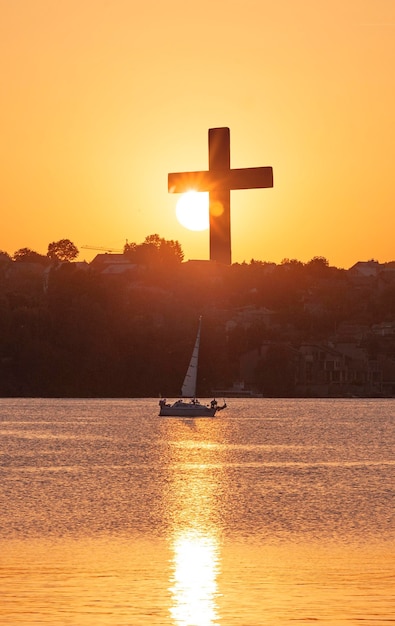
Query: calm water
{"x":275,"y":512}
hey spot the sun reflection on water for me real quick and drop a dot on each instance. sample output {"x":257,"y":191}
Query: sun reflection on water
{"x":194,"y":586}
{"x":195,"y":476}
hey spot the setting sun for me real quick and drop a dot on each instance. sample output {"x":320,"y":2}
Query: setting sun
{"x":192,"y":210}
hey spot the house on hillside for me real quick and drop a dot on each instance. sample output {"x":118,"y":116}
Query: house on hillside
{"x":338,"y":370}
{"x":270,"y":368}
{"x":368,"y":272}
{"x":248,"y":316}
{"x":365,"y":269}
{"x":320,"y":367}
{"x":316,"y":369}
{"x":112,"y":264}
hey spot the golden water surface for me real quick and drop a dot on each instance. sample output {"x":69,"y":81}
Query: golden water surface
{"x":277,"y":512}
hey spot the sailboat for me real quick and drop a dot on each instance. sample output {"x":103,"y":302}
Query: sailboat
{"x":190,"y":407}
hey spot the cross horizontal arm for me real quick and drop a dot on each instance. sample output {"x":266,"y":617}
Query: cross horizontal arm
{"x":244,"y":178}
{"x":185,"y":181}
{"x":250,"y":178}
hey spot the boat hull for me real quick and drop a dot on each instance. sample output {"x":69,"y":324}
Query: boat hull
{"x":186,"y":409}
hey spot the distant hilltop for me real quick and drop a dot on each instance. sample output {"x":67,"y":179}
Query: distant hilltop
{"x":122,"y":326}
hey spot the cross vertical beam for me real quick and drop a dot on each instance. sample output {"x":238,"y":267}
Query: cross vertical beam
{"x":219,"y":180}
{"x":219,"y":195}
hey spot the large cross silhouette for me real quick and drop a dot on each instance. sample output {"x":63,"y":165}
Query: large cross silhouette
{"x":219,"y":180}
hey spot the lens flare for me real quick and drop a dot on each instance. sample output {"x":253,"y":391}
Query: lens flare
{"x":216,"y":208}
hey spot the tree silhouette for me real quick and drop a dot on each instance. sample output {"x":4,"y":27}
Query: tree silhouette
{"x":26,"y":255}
{"x":62,"y":250}
{"x":5,"y":260}
{"x":155,"y":251}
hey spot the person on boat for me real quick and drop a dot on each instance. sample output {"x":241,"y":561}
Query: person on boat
{"x":213,"y":403}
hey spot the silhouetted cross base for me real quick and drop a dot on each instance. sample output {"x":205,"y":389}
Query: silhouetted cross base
{"x":219,"y":180}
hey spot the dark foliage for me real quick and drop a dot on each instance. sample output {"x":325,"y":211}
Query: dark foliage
{"x":66,"y":331}
{"x":62,"y":250}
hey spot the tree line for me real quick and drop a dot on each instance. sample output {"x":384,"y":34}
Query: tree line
{"x":72,"y":332}
{"x":154,"y":249}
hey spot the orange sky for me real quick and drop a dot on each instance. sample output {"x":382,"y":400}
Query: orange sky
{"x":100,"y":99}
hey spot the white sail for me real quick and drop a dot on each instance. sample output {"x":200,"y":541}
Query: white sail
{"x":189,"y":386}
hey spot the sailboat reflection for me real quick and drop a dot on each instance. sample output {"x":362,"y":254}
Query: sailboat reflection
{"x":195,"y":585}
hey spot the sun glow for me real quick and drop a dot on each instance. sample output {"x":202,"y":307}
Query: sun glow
{"x":192,"y":210}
